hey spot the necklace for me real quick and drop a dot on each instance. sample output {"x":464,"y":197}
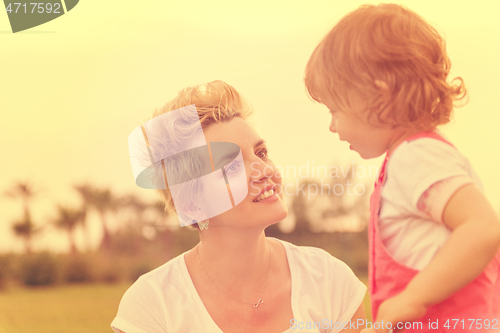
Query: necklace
{"x":255,"y":305}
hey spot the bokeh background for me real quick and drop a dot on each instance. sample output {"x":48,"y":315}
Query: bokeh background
{"x":73,"y":89}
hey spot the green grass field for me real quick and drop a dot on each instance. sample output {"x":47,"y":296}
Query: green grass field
{"x":62,"y":309}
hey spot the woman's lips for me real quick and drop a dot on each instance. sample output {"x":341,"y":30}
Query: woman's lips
{"x":266,"y":191}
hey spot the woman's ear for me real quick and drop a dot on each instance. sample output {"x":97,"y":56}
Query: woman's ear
{"x":196,"y":214}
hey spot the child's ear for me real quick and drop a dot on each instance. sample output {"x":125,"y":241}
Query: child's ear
{"x":382,"y":102}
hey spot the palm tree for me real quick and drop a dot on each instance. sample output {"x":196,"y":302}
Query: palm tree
{"x":85,"y":191}
{"x":135,"y":209}
{"x":67,"y":219}
{"x":136,"y":205}
{"x":25,"y":192}
{"x":103,"y":201}
{"x":24,"y":227}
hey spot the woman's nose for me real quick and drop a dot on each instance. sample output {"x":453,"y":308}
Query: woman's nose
{"x":262,"y":170}
{"x":269,"y":170}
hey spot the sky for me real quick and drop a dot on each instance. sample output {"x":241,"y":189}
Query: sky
{"x":73,"y":89}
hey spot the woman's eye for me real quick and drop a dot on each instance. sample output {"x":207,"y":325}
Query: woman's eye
{"x":262,"y":154}
{"x":232,"y":168}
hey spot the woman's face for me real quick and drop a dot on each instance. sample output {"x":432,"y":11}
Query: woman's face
{"x":256,"y":167}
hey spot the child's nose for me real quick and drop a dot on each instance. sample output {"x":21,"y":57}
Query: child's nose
{"x":333,"y":126}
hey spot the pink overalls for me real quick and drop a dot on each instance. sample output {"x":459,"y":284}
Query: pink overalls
{"x":479,"y":300}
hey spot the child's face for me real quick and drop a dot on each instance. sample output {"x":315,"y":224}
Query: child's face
{"x":368,"y":139}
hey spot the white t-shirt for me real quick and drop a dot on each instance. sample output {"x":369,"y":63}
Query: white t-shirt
{"x":410,"y":220}
{"x":325,"y":291}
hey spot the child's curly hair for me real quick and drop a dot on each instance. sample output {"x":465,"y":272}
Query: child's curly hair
{"x":390,"y":44}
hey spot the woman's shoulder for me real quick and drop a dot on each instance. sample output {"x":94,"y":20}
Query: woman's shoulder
{"x":156,"y":282}
{"x":144,"y":304}
{"x":172,"y":267}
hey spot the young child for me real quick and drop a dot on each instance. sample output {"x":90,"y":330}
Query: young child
{"x":434,"y":261}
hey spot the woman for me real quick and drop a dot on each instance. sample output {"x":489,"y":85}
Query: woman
{"x":236,"y":279}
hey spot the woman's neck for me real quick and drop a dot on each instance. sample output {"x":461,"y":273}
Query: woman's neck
{"x":234,"y":257}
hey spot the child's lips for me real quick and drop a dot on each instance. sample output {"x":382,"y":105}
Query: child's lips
{"x":350,"y":146}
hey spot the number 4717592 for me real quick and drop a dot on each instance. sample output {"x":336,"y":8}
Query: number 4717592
{"x":39,"y":7}
{"x":471,"y":323}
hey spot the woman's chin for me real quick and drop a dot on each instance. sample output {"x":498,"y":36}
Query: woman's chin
{"x":280,"y":215}
{"x":285,"y":213}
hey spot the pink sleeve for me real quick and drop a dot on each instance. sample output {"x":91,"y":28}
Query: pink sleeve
{"x":434,"y":200}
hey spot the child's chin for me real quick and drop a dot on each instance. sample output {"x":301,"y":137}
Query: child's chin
{"x":367,"y":156}
{"x":362,"y":154}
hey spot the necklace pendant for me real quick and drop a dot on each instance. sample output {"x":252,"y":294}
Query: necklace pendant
{"x":259,"y":302}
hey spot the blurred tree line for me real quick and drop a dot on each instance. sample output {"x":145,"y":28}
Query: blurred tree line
{"x":321,"y":214}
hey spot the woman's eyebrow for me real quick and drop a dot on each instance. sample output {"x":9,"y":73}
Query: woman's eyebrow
{"x":259,"y":143}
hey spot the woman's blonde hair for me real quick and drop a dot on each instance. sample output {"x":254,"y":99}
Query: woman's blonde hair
{"x":215,"y":102}
{"x":391,"y":44}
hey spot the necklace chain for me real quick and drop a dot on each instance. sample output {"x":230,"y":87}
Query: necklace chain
{"x":255,"y":305}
